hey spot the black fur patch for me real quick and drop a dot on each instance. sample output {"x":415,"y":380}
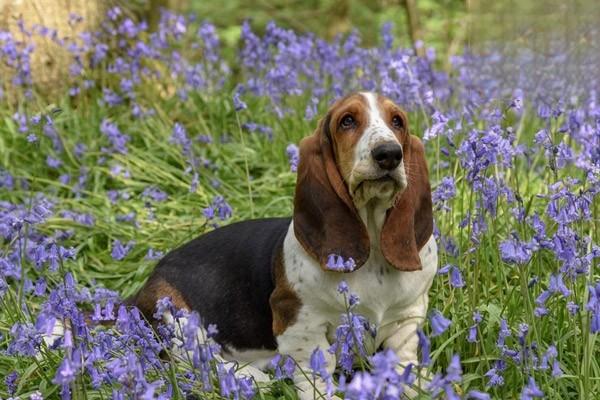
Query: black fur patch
{"x":226,"y":275}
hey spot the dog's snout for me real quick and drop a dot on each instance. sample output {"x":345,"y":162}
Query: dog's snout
{"x":387,"y":155}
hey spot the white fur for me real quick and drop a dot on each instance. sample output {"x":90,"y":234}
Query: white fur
{"x":395,"y":301}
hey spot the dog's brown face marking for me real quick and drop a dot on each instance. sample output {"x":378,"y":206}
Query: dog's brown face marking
{"x":348,"y":120}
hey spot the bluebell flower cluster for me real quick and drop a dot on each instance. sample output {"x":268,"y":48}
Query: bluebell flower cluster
{"x":515,"y":181}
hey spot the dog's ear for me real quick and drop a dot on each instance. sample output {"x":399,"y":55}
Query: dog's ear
{"x":325,"y":219}
{"x":409,"y":223}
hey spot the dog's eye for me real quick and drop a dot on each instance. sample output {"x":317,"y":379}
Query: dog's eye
{"x":347,"y":122}
{"x":397,"y":122}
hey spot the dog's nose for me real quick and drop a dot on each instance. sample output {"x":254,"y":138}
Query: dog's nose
{"x":387,"y":155}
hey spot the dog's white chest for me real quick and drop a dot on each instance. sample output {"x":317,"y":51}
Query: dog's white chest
{"x":386,"y":294}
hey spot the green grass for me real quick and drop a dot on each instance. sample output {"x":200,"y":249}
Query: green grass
{"x":253,"y":163}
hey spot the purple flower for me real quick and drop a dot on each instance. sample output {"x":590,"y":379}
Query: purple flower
{"x":338,"y":264}
{"x":283,"y":366}
{"x":439,"y":324}
{"x":119,"y":251}
{"x":513,"y":251}
{"x":65,"y":373}
{"x":154,"y":193}
{"x":153,"y":254}
{"x":503,"y":333}
{"x":441,"y":383}
{"x":238,"y":104}
{"x":445,"y":191}
{"x":456,"y":279}
{"x":180,"y":138}
{"x":254,"y":127}
{"x":531,"y":390}
{"x":425,"y":346}
{"x":342,"y":287}
{"x":593,"y":306}
{"x":349,"y":339}
{"x":293,"y":154}
{"x":472,"y":336}
{"x":219,"y":207}
{"x":11,"y":382}
{"x":494,"y":375}
{"x":117,"y":139}
{"x":318,"y":365}
{"x":477,"y":395}
{"x":53,"y":162}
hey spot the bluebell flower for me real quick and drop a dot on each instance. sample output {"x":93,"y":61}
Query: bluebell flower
{"x":425,"y":346}
{"x":238,"y":104}
{"x":439,"y":324}
{"x":456,"y":279}
{"x":180,"y":138}
{"x":293,"y":154}
{"x":441,"y":383}
{"x":337,"y":263}
{"x":11,"y":382}
{"x":503,"y":333}
{"x":513,"y":251}
{"x":472,"y":336}
{"x":477,"y":395}
{"x":593,"y":306}
{"x":153,"y":254}
{"x":342,"y":287}
{"x":119,"y":251}
{"x":65,"y":373}
{"x":349,"y":340}
{"x":445,"y":191}
{"x":154,"y":193}
{"x":117,"y":139}
{"x":531,"y":390}
{"x":494,"y":375}
{"x":572,"y":307}
{"x":283,"y":366}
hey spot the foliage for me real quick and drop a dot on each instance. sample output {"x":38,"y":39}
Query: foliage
{"x":157,"y":141}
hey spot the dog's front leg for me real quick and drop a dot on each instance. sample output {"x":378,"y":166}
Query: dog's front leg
{"x":404,"y":340}
{"x":299,"y":341}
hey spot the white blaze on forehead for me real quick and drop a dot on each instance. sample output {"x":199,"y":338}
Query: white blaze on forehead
{"x":377,"y":131}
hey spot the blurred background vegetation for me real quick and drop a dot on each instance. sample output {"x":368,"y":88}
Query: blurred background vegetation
{"x":447,"y":26}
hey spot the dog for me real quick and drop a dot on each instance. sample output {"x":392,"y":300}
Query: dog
{"x":269,"y":285}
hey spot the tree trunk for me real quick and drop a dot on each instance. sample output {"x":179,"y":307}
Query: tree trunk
{"x":49,"y":61}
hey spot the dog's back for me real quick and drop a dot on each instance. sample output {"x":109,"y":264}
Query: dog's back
{"x":226,"y":276}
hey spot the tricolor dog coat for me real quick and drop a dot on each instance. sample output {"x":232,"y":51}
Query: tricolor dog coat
{"x":362,"y":192}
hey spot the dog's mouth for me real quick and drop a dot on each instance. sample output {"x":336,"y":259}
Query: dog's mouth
{"x":382,"y":179}
{"x":387,"y":178}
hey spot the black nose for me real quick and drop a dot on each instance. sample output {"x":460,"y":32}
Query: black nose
{"x":387,"y":155}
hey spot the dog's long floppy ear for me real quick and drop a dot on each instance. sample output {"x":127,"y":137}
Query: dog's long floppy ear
{"x":325,"y":219}
{"x":409,"y":224}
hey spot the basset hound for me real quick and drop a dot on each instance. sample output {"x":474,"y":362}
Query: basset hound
{"x":362,"y":193}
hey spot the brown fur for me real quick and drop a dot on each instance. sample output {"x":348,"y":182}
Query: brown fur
{"x":409,"y":224}
{"x":155,"y":290}
{"x":284,"y":302}
{"x":343,"y":141}
{"x":325,"y":219}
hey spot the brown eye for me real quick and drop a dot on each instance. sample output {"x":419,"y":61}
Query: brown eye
{"x":347,"y":122}
{"x":397,"y":122}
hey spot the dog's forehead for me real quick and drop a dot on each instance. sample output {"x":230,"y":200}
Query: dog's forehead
{"x":352,"y":102}
{"x":376,"y":106}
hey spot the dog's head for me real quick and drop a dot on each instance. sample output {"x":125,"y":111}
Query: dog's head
{"x":362,"y":152}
